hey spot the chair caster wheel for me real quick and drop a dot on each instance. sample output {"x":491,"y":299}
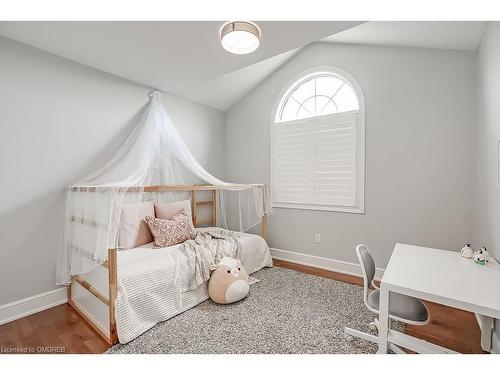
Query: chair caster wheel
{"x":372,"y":326}
{"x":348,"y":338}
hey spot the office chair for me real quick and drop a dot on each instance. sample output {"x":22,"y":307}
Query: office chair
{"x":402,"y":308}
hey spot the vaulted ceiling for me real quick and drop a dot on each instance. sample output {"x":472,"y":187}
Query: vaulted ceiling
{"x":460,"y":35}
{"x":182,"y":58}
{"x":186,"y":58}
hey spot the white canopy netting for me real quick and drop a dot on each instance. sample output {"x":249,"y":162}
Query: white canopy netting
{"x":153,"y":154}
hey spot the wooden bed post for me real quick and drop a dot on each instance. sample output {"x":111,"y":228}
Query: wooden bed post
{"x":193,"y":207}
{"x":68,"y":289}
{"x":113,"y":337}
{"x":214,"y":208}
{"x":263,"y":228}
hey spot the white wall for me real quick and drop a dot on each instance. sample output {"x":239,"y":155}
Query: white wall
{"x":420,"y":117}
{"x":60,"y":121}
{"x":488,"y":133}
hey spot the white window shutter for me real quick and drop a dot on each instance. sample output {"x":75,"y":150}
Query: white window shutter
{"x":315,"y":161}
{"x":335,"y":160}
{"x":294,"y":150}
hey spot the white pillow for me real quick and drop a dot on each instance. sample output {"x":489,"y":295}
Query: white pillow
{"x":165,"y":211}
{"x":133,"y":230}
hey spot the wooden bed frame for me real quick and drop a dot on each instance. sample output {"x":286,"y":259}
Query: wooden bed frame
{"x":111,"y":263}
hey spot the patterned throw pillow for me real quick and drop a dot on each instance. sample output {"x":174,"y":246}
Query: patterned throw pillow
{"x":183,"y":215}
{"x":171,"y":232}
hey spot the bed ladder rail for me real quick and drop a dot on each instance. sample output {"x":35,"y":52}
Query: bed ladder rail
{"x":212,"y":203}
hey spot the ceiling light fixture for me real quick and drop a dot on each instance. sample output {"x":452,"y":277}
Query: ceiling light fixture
{"x":240,"y":37}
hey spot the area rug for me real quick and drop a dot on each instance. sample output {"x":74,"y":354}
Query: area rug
{"x":286,"y":312}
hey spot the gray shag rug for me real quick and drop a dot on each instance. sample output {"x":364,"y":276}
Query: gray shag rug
{"x":287,"y":312}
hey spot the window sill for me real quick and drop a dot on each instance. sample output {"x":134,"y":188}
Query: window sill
{"x":317,"y":207}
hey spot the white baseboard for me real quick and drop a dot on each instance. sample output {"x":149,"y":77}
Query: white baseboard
{"x":329,"y":264}
{"x":31,"y":305}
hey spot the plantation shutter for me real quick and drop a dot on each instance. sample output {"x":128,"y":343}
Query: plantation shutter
{"x":315,"y":161}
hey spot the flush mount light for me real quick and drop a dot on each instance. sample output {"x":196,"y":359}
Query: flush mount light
{"x":240,"y":37}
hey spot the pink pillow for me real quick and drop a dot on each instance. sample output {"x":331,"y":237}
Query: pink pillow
{"x":133,"y":230}
{"x":166,"y":210}
{"x":171,"y":232}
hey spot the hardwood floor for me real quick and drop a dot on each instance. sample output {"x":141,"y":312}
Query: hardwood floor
{"x":56,"y":330}
{"x":62,"y":330}
{"x":449,"y":327}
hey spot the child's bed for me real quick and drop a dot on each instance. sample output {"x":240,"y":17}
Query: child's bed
{"x":148,"y":280}
{"x":139,"y":287}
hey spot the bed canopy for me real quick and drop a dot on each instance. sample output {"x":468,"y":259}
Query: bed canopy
{"x":148,"y":166}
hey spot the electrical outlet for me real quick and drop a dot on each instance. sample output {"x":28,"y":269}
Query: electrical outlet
{"x":317,"y":238}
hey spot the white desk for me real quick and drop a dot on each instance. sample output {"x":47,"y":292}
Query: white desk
{"x":438,"y":276}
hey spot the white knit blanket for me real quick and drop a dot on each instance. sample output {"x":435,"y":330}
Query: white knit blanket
{"x":205,"y":251}
{"x":149,"y":290}
{"x":151,"y":282}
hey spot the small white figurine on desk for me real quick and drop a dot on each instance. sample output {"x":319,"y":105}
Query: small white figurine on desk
{"x":466,"y":251}
{"x":481,"y":256}
{"x":486,"y":254}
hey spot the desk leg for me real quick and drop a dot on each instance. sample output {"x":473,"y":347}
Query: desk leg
{"x":383,"y":317}
{"x":486,"y":332}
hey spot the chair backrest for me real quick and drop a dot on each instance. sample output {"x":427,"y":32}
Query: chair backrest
{"x":367,"y":267}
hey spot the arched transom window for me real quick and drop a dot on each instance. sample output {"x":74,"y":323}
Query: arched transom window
{"x":318,"y":144}
{"x":315,"y":95}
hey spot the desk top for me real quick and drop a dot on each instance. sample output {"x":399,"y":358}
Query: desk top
{"x":444,"y":277}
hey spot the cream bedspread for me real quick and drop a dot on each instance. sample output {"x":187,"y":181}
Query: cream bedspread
{"x":157,"y":284}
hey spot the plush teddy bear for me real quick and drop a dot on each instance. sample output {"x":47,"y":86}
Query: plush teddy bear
{"x":228,"y":282}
